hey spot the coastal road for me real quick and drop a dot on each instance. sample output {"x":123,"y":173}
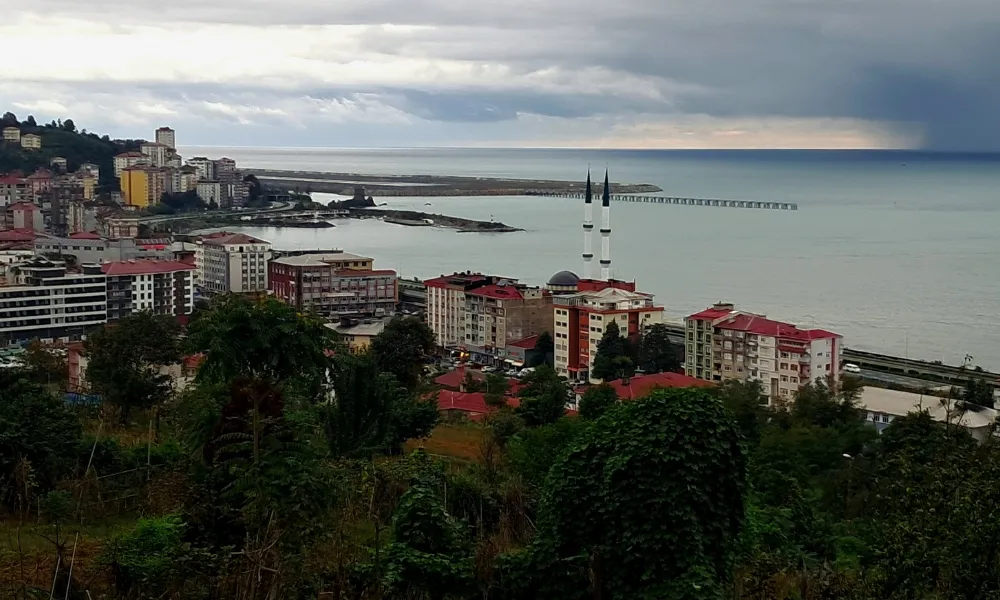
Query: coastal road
{"x":891,"y":378}
{"x":276,"y":207}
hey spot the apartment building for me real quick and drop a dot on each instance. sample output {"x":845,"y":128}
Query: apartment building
{"x":162,"y":287}
{"x":334,"y":284}
{"x":122,"y":227}
{"x":30,"y":141}
{"x":232,"y":263}
{"x":209,"y":191}
{"x":446,"y":304}
{"x":26,"y":215}
{"x":723,"y":343}
{"x":12,"y":135}
{"x":582,"y":318}
{"x":88,"y":247}
{"x":42,"y":299}
{"x":167,"y":137}
{"x":204,"y":166}
{"x":156,"y":152}
{"x":498,"y":314}
{"x":129,"y":159}
{"x":14,"y":189}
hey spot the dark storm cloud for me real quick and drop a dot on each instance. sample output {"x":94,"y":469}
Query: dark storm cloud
{"x":927,"y":64}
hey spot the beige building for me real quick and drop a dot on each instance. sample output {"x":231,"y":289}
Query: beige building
{"x":232,"y":263}
{"x":167,"y":137}
{"x":358,"y":334}
{"x":500,"y":313}
{"x":156,"y":153}
{"x":723,"y":343}
{"x":446,"y":305}
{"x":31,"y":141}
{"x":12,"y":135}
{"x":129,"y":159}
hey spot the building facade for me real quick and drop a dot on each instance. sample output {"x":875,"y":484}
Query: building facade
{"x":233,"y":263}
{"x":30,"y":141}
{"x":167,"y":137}
{"x":14,"y":189}
{"x":26,"y":215}
{"x":12,"y":135}
{"x":129,"y":159}
{"x":582,"y":318}
{"x":446,"y":305}
{"x":723,"y":343}
{"x":498,"y":314}
{"x":156,"y":152}
{"x":334,"y":284}
{"x":204,"y":166}
{"x":358,"y":333}
{"x":42,"y":299}
{"x":209,"y":191}
{"x":161,"y":287}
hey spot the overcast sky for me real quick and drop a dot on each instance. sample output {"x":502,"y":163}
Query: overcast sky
{"x":568,"y":73}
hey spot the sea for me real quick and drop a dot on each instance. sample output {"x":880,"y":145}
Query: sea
{"x":899,"y":251}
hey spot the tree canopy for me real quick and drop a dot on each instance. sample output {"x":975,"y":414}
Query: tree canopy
{"x":403,"y":349}
{"x":543,"y":397}
{"x":613,"y":359}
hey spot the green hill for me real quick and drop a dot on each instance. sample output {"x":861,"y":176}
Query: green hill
{"x":61,"y":138}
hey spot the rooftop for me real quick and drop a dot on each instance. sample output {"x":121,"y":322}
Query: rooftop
{"x":84,"y":235}
{"x":144,"y":267}
{"x":363,"y":329}
{"x":233,"y":238}
{"x":527,"y":343}
{"x":365,"y":273}
{"x":898,"y":404}
{"x":641,"y":385}
{"x":500,"y":292}
{"x":130,"y":155}
{"x":456,"y":279}
{"x":761,"y":325}
{"x":473,"y":404}
{"x":17,"y":235}
{"x":319,"y":260}
{"x":12,"y":180}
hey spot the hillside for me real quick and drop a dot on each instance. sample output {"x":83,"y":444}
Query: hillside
{"x":61,"y":138}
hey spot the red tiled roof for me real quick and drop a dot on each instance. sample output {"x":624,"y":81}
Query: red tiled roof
{"x":500,"y":292}
{"x":527,"y":343}
{"x":710,"y":314}
{"x":84,"y":235}
{"x":453,"y":379}
{"x":17,"y":235}
{"x":23,"y":206}
{"x":641,"y":385}
{"x":474,"y":404}
{"x":11,"y":180}
{"x":144,"y":267}
{"x":362,"y":273}
{"x":130,"y":155}
{"x":759,"y":325}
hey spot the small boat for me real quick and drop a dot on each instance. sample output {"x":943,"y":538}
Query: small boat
{"x":427,"y":203}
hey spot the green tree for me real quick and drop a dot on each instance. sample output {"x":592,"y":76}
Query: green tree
{"x":656,"y":353}
{"x":612,"y":360}
{"x":430,"y":555}
{"x":403,"y":348}
{"x":544,"y":349}
{"x":748,"y":405}
{"x":642,"y":504}
{"x":46,"y":365}
{"x":496,"y":390}
{"x":471,"y":384}
{"x":978,"y":391}
{"x":261,"y":339}
{"x":543,"y":397}
{"x":125,"y":361}
{"x":597,"y":400}
{"x":532,"y":452}
{"x":39,"y":437}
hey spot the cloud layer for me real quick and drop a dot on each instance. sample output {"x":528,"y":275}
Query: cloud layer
{"x":629,"y":73}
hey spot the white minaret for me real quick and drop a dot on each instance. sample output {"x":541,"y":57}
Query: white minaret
{"x":588,"y":232}
{"x":606,"y":231}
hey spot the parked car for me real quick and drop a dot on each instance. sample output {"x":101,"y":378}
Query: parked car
{"x":852,"y":368}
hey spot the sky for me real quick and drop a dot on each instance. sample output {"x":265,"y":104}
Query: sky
{"x":535,"y":73}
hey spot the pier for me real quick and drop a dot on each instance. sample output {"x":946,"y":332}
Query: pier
{"x":688,"y":201}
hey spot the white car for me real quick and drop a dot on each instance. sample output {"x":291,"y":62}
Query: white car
{"x":852,"y":368}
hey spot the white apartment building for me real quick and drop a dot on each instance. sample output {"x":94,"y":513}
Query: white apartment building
{"x":41,"y":299}
{"x":204,"y":166}
{"x":30,"y":141}
{"x":446,"y":305}
{"x":156,"y":152}
{"x":167,"y":137}
{"x":129,"y":159}
{"x":163,"y":287}
{"x":210,"y":191}
{"x":232,"y":263}
{"x":12,"y":135}
{"x":723,"y":343}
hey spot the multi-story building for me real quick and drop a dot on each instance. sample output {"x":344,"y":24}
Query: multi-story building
{"x":58,"y":163}
{"x":167,"y":137}
{"x":42,"y":299}
{"x":129,"y":159}
{"x":333,"y":284}
{"x":90,"y":169}
{"x":156,"y":152}
{"x":205,"y":167}
{"x":412,"y":296}
{"x":122,"y":227}
{"x":358,"y":333}
{"x":30,"y":141}
{"x":40,"y":182}
{"x":582,"y":318}
{"x":12,"y":135}
{"x":143,"y":186}
{"x":446,"y":305}
{"x":723,"y":343}
{"x":27,"y":215}
{"x":80,"y":218}
{"x":184,"y":179}
{"x":162,"y":287}
{"x":210,"y":191}
{"x":233,"y":263}
{"x":14,"y":189}
{"x":500,"y":313}
{"x":88,"y":247}
{"x":224,"y":170}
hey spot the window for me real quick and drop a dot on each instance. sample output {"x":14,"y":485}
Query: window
{"x":784,"y":355}
{"x":784,"y":378}
{"x":784,"y":365}
{"x":728,"y":368}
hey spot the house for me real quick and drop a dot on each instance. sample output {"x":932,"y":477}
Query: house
{"x":638,"y":386}
{"x":358,"y":334}
{"x":470,"y":405}
{"x":882,"y":407}
{"x":31,"y":141}
{"x":12,"y":135}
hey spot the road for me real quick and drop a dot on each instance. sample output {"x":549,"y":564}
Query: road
{"x":892,"y":378}
{"x":275,"y":208}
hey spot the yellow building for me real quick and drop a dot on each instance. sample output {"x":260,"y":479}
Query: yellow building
{"x":135,"y":186}
{"x":88,"y":182}
{"x":358,"y":335}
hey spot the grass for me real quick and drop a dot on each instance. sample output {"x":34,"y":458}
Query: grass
{"x":456,"y":440}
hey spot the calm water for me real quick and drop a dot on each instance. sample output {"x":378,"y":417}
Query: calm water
{"x":897,"y":251}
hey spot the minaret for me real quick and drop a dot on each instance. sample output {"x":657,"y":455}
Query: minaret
{"x":606,"y":230}
{"x":588,"y":229}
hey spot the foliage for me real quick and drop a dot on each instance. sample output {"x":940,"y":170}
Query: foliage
{"x":649,"y":500}
{"x":597,"y":400}
{"x":496,"y":388}
{"x":532,"y":452}
{"x":429,"y":553}
{"x":403,"y":348}
{"x":656,"y":353}
{"x":181,"y":202}
{"x":543,"y":397}
{"x":125,"y":361}
{"x":613,"y":360}
{"x":261,"y":339}
{"x":39,"y":437}
{"x":978,"y":391}
{"x":46,"y":364}
{"x":544,"y":349}
{"x":747,"y":403}
{"x":471,"y":384}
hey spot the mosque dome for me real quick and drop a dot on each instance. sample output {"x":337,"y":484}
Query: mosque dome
{"x":564,"y":279}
